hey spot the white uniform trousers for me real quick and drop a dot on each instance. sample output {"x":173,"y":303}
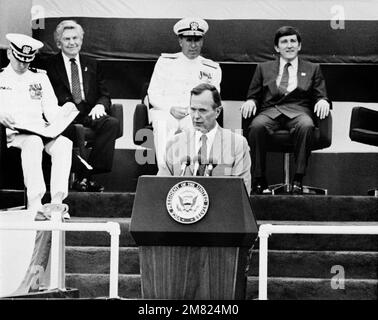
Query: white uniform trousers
{"x":165,"y":127}
{"x":60,"y":150}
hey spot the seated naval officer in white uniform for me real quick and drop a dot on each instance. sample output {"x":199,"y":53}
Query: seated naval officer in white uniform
{"x":26,"y":96}
{"x":174,"y":76}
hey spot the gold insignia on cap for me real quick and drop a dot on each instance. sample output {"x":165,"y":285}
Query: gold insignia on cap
{"x":191,"y":26}
{"x":23,"y":47}
{"x":194,"y":26}
{"x":26,"y":49}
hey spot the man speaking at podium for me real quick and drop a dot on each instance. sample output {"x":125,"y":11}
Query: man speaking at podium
{"x":208,"y":149}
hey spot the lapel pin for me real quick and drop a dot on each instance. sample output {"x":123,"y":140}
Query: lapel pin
{"x":303,"y":74}
{"x":86,"y":69}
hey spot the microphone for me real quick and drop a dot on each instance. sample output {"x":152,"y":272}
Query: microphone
{"x":203,"y":168}
{"x":196,"y":165}
{"x":185,"y":162}
{"x":209,"y":168}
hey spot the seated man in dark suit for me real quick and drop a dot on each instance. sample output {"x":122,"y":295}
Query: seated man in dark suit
{"x":284,"y":93}
{"x":79,"y":79}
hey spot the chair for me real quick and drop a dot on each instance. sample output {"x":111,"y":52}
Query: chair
{"x":11,"y":176}
{"x":3,"y":150}
{"x":142,"y":128}
{"x":282,"y":142}
{"x":84,"y":137}
{"x":364,"y":129}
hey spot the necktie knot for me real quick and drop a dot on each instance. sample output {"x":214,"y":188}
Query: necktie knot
{"x":73,"y":60}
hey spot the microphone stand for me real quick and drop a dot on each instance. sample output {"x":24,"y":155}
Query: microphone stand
{"x":184,"y":165}
{"x":196,"y":166}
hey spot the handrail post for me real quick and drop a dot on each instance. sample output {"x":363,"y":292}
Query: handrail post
{"x":263,"y":261}
{"x":114,"y":231}
{"x":55,"y":252}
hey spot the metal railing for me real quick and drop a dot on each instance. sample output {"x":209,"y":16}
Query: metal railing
{"x":57,"y":227}
{"x":266,"y":230}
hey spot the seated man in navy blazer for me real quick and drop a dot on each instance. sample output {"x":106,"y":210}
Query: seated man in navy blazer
{"x":78,"y":79}
{"x":285,"y":93}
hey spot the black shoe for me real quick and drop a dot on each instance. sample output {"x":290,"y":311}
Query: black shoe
{"x":257,"y":189}
{"x":296,"y":187}
{"x":80,"y":185}
{"x":93,"y":186}
{"x":259,"y":185}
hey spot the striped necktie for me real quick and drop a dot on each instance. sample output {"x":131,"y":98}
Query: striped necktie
{"x":76,"y":90}
{"x":284,"y":83}
{"x":202,"y":155}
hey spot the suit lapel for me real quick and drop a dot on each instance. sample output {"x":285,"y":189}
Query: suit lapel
{"x":302,"y":78}
{"x":302,"y":74}
{"x":215,"y":151}
{"x":61,"y":69}
{"x":84,"y":72}
{"x":273,"y":77}
{"x":216,"y":148}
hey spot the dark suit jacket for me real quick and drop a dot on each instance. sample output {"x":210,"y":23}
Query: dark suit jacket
{"x":310,"y":89}
{"x":93,"y":80}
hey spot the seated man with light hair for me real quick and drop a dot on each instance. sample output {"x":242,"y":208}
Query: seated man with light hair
{"x":79,"y":79}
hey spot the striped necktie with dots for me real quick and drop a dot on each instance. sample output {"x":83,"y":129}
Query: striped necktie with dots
{"x":75,"y":81}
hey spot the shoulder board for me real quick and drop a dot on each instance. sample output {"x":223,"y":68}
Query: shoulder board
{"x":210,"y":63}
{"x":169,"y":55}
{"x":35,"y":70}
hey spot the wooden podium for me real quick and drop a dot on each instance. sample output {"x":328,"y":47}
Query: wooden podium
{"x":202,"y":260}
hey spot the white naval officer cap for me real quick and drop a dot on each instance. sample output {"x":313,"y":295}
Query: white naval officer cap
{"x":191,"y":27}
{"x":23,"y":47}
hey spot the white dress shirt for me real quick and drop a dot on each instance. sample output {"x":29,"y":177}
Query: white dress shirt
{"x":67,"y":64}
{"x":209,"y":142}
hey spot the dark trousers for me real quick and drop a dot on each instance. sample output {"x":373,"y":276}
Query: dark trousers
{"x":105,"y":133}
{"x":301,"y":128}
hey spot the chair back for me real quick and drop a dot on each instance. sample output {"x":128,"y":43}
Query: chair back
{"x":364,"y":126}
{"x":3,"y":147}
